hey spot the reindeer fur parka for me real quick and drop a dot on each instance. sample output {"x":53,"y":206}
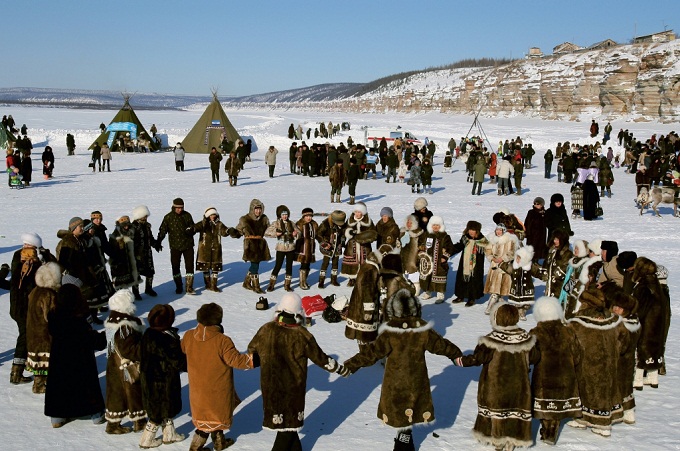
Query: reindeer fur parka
{"x":253,"y":228}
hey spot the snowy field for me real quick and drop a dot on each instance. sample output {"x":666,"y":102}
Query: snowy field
{"x":340,"y":413}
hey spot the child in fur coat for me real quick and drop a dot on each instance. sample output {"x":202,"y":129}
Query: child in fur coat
{"x":522,"y":287}
{"x":504,"y":392}
{"x":439,"y":247}
{"x":401,"y":171}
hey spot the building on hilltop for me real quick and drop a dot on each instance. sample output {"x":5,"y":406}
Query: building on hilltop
{"x":535,"y":52}
{"x":565,"y":47}
{"x":663,"y":36}
{"x":603,"y":45}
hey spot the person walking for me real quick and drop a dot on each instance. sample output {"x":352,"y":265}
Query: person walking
{"x":270,"y":160}
{"x":179,"y":157}
{"x":214,"y":159}
{"x":106,"y":157}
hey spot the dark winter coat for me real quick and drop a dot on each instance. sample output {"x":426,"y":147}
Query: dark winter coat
{"x":388,"y":232}
{"x":363,"y":312}
{"x":423,"y":218}
{"x":606,"y":177}
{"x":233,"y":166}
{"x":72,"y":256}
{"x":209,"y":253}
{"x":123,"y":399}
{"x":73,"y":390}
{"x":471,"y":287}
{"x":554,"y":269}
{"x":426,"y":171}
{"x":359,"y":235}
{"x":180,"y":230}
{"x":41,"y":302}
{"x":405,"y":397}
{"x":123,"y":262}
{"x":144,"y":242}
{"x":603,"y":339}
{"x":439,"y":246}
{"x":415,"y":175}
{"x":103,"y":288}
{"x":591,"y":199}
{"x":504,"y":391}
{"x":26,"y":167}
{"x":162,"y":360}
{"x":305,"y":246}
{"x":331,"y":238}
{"x":336,"y":176}
{"x":553,"y":380}
{"x":253,"y":228}
{"x":626,"y":372}
{"x":536,"y":234}
{"x":653,"y":311}
{"x":211,"y":358}
{"x":557,"y":218}
{"x":25,"y":264}
{"x":283,"y":351}
{"x":214,"y":159}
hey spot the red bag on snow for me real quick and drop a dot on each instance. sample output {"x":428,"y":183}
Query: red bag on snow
{"x":313,"y":305}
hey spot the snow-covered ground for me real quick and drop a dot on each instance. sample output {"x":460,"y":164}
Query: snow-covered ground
{"x":340,"y":412}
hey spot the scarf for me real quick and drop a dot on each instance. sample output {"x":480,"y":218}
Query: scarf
{"x":469,"y":258}
{"x":29,"y":260}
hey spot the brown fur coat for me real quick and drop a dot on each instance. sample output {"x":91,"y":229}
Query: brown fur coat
{"x":503,"y":247}
{"x":253,"y":228}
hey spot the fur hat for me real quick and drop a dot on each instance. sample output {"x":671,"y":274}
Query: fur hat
{"x":74,"y":223}
{"x":420,"y":203}
{"x":391,"y":264}
{"x":209,"y":314}
{"x":32,"y":239}
{"x":210,"y":211}
{"x":48,"y":276}
{"x":360,"y":206}
{"x":557,"y":197}
{"x":282,"y":210}
{"x":386,"y":211}
{"x":473,"y":225}
{"x":504,"y":316}
{"x":505,"y":211}
{"x":626,"y":259}
{"x":139,"y":212}
{"x":612,"y":249}
{"x":290,"y":303}
{"x":307,"y":211}
{"x":161,"y":317}
{"x":593,"y":297}
{"x":414,"y":222}
{"x":501,"y":226}
{"x":338,"y":217}
{"x":123,"y":301}
{"x":540,"y":201}
{"x":643,"y":267}
{"x":582,"y":247}
{"x":595,"y":246}
{"x":436,"y":220}
{"x":562,"y":236}
{"x":526,"y":255}
{"x":626,"y":302}
{"x":547,"y":308}
{"x":402,"y":304}
{"x":178,"y":202}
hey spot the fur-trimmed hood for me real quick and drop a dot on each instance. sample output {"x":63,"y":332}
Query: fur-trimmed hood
{"x":503,"y":239}
{"x":251,"y":210}
{"x":414,"y":223}
{"x":526,"y":255}
{"x":583,"y":276}
{"x":582,"y":247}
{"x":116,"y":320}
{"x":402,"y":304}
{"x":436,"y":220}
{"x":547,"y":308}
{"x":593,"y":319}
{"x":49,"y":276}
{"x":513,"y":340}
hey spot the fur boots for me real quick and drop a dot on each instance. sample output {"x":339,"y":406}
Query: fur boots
{"x":286,"y":282}
{"x":190,"y":284}
{"x":493,"y":299}
{"x":220,"y":442}
{"x":272,"y":283}
{"x":148,"y":439}
{"x":213,"y":283}
{"x":334,"y":278}
{"x":116,"y":428}
{"x":170,"y":435}
{"x":16,"y":375}
{"x":303,"y":279}
{"x":39,"y":384}
{"x":255,"y":283}
{"x":322,"y":279}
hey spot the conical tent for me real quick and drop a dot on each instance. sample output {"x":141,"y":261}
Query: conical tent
{"x":126,"y":121}
{"x":209,"y":130}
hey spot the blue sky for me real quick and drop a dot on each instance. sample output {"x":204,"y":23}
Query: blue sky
{"x":252,"y":47}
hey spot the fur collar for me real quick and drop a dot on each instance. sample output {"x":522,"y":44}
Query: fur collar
{"x":591,"y":320}
{"x":364,"y":222}
{"x":116,"y":320}
{"x":577,"y":262}
{"x":404,"y":325}
{"x":503,"y":239}
{"x":583,"y":275}
{"x":632,"y":324}
{"x":513,"y":340}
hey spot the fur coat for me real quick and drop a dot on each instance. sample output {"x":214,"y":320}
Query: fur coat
{"x":439,"y":246}
{"x":626,"y":372}
{"x":211,"y":358}
{"x":253,"y":228}
{"x":359,"y":235}
{"x":285,"y":242}
{"x":123,"y":262}
{"x":521,"y":283}
{"x":331,"y":238}
{"x":144,"y":243}
{"x":305,"y":246}
{"x":412,"y":243}
{"x":603,"y":339}
{"x":504,"y":391}
{"x":162,"y":360}
{"x":553,"y":380}
{"x":363,"y":312}
{"x":405,"y":397}
{"x":209,"y":253}
{"x":554,"y":269}
{"x":388,"y":233}
{"x":536,"y":232}
{"x":123,"y":333}
{"x":283,"y":350}
{"x":503,"y":247}
{"x":576,"y":279}
{"x":653,"y":310}
{"x":41,"y":302}
{"x":72,"y":257}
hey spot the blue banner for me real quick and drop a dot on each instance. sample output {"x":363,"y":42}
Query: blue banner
{"x":121,"y":127}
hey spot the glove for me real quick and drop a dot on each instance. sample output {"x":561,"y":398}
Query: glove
{"x":343,"y":371}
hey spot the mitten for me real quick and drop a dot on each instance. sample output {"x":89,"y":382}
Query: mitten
{"x":343,"y":371}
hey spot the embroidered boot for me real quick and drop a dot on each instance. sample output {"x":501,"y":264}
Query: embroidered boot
{"x":334,"y":278}
{"x":322,"y":279}
{"x":170,"y":435}
{"x":148,"y":439}
{"x":272,"y":283}
{"x":255,"y":283}
{"x":190,"y":284}
{"x":286,"y":282}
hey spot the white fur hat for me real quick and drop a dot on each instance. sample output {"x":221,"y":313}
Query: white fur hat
{"x":595,"y":246}
{"x":210,"y":211}
{"x":505,"y":211}
{"x":48,"y":276}
{"x":290,"y":303}
{"x":360,"y":206}
{"x":548,"y":308}
{"x":123,"y":301}
{"x":32,"y":239}
{"x":582,"y":247}
{"x":436,"y":220}
{"x":420,"y":203}
{"x":140,"y":212}
{"x":525,"y":254}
